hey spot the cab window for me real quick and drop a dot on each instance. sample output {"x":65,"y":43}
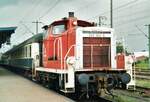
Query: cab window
{"x":58,"y":29}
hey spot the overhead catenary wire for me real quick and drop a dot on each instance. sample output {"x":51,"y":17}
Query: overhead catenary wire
{"x":134,"y":13}
{"x":142,"y":31}
{"x":27,"y":28}
{"x":50,"y":9}
{"x":116,"y":8}
{"x":80,"y":8}
{"x":131,"y":20}
{"x":56,"y":3}
{"x":28,"y":12}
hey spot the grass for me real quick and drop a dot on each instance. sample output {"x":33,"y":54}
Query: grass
{"x":127,"y":96}
{"x":142,"y":64}
{"x":143,"y":83}
{"x":121,"y":98}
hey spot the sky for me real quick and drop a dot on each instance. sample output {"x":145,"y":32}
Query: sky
{"x":129,"y":17}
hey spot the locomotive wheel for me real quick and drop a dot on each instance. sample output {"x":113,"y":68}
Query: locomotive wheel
{"x":110,"y":82}
{"x":124,"y":86}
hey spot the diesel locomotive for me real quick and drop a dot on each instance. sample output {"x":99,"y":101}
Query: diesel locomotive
{"x":72,"y":56}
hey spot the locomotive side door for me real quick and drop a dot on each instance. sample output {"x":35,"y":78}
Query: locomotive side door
{"x":58,"y":40}
{"x":54,"y":41}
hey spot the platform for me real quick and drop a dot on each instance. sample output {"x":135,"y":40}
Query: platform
{"x":14,"y":88}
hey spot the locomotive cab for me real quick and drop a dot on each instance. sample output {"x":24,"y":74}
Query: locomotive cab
{"x":60,"y":34}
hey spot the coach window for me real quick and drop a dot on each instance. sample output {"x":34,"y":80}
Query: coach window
{"x":26,"y":50}
{"x":30,"y":51}
{"x":21,"y":51}
{"x":58,"y":29}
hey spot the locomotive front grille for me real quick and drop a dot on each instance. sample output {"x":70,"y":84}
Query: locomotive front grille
{"x":96,"y":52}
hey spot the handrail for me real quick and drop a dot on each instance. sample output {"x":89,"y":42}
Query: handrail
{"x":55,"y":47}
{"x":65,"y":61}
{"x":67,"y":54}
{"x":59,"y":46}
{"x":93,"y":45}
{"x":91,"y":55}
{"x":109,"y":55}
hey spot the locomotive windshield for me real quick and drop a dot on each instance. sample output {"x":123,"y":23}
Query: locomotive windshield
{"x":58,"y":29}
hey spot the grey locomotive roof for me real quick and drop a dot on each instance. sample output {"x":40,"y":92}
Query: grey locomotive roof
{"x":35,"y":38}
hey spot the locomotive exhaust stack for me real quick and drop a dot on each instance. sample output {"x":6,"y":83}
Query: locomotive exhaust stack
{"x":71,"y":14}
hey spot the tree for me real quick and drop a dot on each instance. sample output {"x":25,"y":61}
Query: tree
{"x":120,"y":48}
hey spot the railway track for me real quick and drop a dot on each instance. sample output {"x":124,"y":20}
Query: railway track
{"x":142,"y":94}
{"x":142,"y":88}
{"x":143,"y":91}
{"x":84,"y":99}
{"x":142,"y":77}
{"x":96,"y":99}
{"x":131,"y":96}
{"x":73,"y":97}
{"x":142,"y":74}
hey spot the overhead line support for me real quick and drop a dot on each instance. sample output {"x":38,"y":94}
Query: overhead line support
{"x":149,"y":42}
{"x":37,"y":22}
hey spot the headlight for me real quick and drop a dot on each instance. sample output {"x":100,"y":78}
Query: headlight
{"x":83,"y":79}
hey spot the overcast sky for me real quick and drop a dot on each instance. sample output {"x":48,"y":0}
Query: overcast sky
{"x":129,"y":17}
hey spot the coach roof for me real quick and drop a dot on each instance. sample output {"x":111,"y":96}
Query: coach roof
{"x":35,"y":38}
